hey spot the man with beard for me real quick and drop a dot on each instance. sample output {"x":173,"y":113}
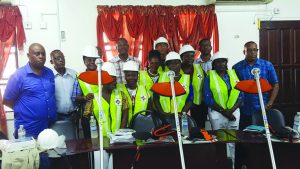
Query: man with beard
{"x":162,"y":45}
{"x":267,"y":71}
{"x":64,"y":79}
{"x":121,"y":59}
{"x":30,"y":93}
{"x":196,"y":73}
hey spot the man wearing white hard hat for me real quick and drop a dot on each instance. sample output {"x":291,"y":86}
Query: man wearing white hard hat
{"x":123,"y":57}
{"x":83,"y":93}
{"x":221,"y":97}
{"x":162,"y":45}
{"x":137,"y":95}
{"x":164,"y":105}
{"x":198,"y":109}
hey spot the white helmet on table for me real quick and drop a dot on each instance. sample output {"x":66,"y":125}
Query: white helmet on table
{"x":49,"y":139}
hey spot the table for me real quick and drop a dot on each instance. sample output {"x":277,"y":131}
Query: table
{"x":159,"y":156}
{"x":252,"y":150}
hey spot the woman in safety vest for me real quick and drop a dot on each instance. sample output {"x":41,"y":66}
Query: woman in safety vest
{"x":221,"y":97}
{"x":164,"y":105}
{"x":198,"y":109}
{"x":137,"y":95}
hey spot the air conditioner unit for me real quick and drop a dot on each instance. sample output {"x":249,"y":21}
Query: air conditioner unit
{"x":243,"y":2}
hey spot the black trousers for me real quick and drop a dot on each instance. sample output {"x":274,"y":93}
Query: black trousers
{"x":85,"y":123}
{"x":199,"y":113}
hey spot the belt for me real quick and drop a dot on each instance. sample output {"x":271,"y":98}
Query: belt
{"x":66,"y":114}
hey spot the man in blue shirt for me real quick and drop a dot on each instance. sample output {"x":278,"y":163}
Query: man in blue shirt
{"x":30,"y":93}
{"x":267,"y":71}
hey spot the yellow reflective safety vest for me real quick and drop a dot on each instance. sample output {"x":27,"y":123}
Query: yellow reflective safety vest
{"x":166,"y":102}
{"x":197,"y":82}
{"x":113,"y":109}
{"x":140,"y":102}
{"x":145,"y":80}
{"x":88,"y":88}
{"x":220,"y":91}
{"x":161,"y":71}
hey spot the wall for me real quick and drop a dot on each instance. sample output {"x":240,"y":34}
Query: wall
{"x":237,"y":24}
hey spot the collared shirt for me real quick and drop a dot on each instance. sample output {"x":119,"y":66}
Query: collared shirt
{"x":205,"y":65}
{"x":207,"y":94}
{"x":63,"y":90}
{"x":118,"y":63}
{"x":76,"y":90}
{"x":243,"y":71}
{"x":34,"y":99}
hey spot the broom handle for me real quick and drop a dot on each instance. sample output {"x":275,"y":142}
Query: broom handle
{"x":171,"y":75}
{"x":256,"y":73}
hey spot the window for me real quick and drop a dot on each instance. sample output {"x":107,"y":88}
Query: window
{"x":10,"y":68}
{"x":109,"y":52}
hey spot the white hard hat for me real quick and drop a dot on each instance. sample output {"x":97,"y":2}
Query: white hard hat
{"x":186,"y":48}
{"x":110,"y":68}
{"x":49,"y":139}
{"x":172,"y":56}
{"x":130,"y":66}
{"x":219,"y":55}
{"x":160,"y":40}
{"x":90,"y":51}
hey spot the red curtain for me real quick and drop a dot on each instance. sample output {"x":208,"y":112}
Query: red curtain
{"x":141,"y":25}
{"x":11,"y":29}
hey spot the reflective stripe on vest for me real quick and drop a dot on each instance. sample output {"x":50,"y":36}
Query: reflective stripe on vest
{"x":198,"y":78}
{"x":96,"y":103}
{"x":114,"y":109}
{"x":146,"y":80}
{"x":220,"y":91}
{"x":166,"y":102}
{"x":140,"y":102}
{"x":161,"y":71}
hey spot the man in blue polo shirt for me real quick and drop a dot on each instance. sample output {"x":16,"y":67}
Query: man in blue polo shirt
{"x":30,"y":93}
{"x":267,"y":71}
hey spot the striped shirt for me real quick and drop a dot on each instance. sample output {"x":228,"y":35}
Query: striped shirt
{"x":118,"y":63}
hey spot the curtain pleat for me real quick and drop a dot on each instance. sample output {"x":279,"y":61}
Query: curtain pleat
{"x":141,"y":25}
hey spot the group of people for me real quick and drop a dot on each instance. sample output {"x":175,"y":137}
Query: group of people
{"x":40,"y":96}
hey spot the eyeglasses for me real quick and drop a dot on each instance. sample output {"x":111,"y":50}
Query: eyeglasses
{"x":252,"y":50}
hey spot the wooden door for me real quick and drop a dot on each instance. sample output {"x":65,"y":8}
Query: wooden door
{"x":279,"y":42}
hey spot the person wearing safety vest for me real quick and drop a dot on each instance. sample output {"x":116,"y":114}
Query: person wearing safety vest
{"x":196,"y":73}
{"x":114,"y":103}
{"x":137,"y":95}
{"x":162,"y":45}
{"x":164,"y":105}
{"x":83,"y":93}
{"x":221,"y":97}
{"x":150,"y":76}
